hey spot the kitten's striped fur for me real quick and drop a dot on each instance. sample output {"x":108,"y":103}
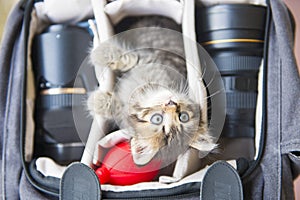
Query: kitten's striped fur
{"x":154,"y":85}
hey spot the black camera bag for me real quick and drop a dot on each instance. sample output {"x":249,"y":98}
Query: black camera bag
{"x":269,"y":176}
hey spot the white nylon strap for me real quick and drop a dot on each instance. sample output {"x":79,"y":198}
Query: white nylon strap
{"x":189,"y":161}
{"x":194,"y":72}
{"x":105,"y":77}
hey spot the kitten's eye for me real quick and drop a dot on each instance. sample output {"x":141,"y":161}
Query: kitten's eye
{"x":156,"y":119}
{"x":184,"y":117}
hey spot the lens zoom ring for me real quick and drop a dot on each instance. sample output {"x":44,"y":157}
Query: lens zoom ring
{"x":241,"y":100}
{"x":237,"y":63}
{"x":61,"y":100}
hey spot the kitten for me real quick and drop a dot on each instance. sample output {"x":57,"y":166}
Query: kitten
{"x":151,"y":97}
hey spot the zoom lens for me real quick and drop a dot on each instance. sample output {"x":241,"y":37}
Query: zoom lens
{"x":233,"y":34}
{"x":57,"y":55}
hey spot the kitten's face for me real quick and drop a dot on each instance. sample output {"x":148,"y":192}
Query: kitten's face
{"x":162,"y":120}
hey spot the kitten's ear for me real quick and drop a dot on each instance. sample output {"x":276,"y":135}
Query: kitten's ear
{"x":107,"y":54}
{"x":204,"y":143}
{"x":141,"y":151}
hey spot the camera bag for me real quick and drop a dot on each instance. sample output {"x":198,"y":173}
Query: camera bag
{"x":269,"y":174}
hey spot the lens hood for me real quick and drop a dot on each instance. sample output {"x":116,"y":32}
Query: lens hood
{"x":230,"y":26}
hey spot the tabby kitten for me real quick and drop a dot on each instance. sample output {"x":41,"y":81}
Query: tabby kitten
{"x":151,"y":97}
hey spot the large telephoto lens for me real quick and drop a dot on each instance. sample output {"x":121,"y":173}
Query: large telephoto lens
{"x":58,"y":53}
{"x":233,"y":34}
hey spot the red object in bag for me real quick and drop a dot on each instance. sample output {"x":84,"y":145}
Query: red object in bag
{"x":118,"y":167}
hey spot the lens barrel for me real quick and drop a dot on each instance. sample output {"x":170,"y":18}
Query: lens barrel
{"x":58,"y":53}
{"x":233,"y":34}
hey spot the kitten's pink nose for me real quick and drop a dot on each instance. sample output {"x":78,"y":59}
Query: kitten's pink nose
{"x":171,"y":103}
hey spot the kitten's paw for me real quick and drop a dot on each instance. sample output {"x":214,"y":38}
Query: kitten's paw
{"x":205,"y":144}
{"x":116,"y":58}
{"x":142,"y":151}
{"x":100,"y":103}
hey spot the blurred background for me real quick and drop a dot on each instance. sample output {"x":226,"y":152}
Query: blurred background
{"x":294,"y":5}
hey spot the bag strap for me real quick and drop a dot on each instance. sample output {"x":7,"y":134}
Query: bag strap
{"x":288,"y":76}
{"x":79,"y":182}
{"x":221,"y":181}
{"x":283,"y":106}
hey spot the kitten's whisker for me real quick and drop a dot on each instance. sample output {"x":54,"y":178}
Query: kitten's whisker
{"x":186,"y":87}
{"x":215,"y":93}
{"x":211,"y":80}
{"x":203,"y":73}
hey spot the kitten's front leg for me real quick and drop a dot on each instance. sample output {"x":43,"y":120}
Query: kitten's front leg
{"x":103,"y":103}
{"x":116,"y":58}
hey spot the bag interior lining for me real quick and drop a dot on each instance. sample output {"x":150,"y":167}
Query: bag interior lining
{"x":43,"y":164}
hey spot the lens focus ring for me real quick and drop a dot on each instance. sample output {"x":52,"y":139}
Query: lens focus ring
{"x":61,"y":100}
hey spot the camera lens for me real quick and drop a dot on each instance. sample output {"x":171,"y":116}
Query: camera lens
{"x":233,"y":34}
{"x":57,"y":55}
